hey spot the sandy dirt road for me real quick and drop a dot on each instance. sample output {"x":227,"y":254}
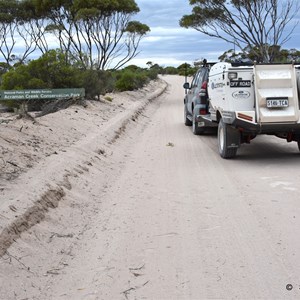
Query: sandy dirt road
{"x":159,"y":215}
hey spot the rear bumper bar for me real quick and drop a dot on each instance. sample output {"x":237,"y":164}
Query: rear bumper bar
{"x":205,"y":121}
{"x":267,"y":128}
{"x":260,"y":128}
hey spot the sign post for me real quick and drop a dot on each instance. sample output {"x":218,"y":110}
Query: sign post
{"x":41,"y":94}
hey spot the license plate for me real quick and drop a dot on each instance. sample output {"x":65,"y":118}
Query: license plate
{"x":275,"y":103}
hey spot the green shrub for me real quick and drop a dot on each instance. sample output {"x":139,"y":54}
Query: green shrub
{"x":36,"y":83}
{"x":129,"y":80}
{"x":49,"y":71}
{"x":171,"y":70}
{"x":152,"y":74}
{"x":15,"y":79}
{"x":126,"y":81}
{"x":95,"y":82}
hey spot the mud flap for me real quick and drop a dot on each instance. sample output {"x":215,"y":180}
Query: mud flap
{"x":233,"y":137}
{"x":228,"y":140}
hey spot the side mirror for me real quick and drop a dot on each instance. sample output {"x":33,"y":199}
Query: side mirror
{"x":186,"y":86}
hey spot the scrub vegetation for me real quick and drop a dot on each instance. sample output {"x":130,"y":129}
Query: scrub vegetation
{"x":95,"y":41}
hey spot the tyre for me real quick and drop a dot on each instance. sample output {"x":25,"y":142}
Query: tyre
{"x":196,"y":129}
{"x":187,"y":122}
{"x":223,"y":137}
{"x":298,"y":145}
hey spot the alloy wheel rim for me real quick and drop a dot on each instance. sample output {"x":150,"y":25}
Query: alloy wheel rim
{"x":221,"y":137}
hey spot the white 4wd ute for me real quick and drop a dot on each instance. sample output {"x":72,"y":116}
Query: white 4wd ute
{"x":247,"y":100}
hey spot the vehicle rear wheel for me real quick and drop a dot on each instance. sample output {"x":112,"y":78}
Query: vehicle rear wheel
{"x":196,"y":129}
{"x":187,"y":122}
{"x":223,"y":137}
{"x":298,"y":145}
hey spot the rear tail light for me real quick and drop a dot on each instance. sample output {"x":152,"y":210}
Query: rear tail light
{"x":204,"y":85}
{"x":203,"y":90}
{"x":202,"y":111}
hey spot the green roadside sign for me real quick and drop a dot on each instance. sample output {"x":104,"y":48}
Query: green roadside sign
{"x":41,"y":94}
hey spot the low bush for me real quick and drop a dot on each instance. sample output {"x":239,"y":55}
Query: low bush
{"x":126,"y":81}
{"x":51,"y":71}
{"x":133,"y":77}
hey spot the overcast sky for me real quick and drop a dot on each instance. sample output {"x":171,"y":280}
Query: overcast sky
{"x":169,"y":44}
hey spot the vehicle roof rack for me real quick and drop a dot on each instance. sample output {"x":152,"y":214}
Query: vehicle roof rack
{"x":242,"y":63}
{"x":204,"y":63}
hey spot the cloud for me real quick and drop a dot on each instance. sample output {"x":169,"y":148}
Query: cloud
{"x":168,"y":42}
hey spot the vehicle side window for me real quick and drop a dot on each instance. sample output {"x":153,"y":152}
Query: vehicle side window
{"x":205,"y":76}
{"x":195,"y":79}
{"x":200,"y":78}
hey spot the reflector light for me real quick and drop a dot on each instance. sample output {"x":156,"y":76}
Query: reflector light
{"x":245,"y":117}
{"x":232,"y":75}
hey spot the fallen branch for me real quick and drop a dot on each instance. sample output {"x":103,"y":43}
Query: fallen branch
{"x":70,"y":235}
{"x":13,"y":164}
{"x":137,"y":269}
{"x":6,"y":140}
{"x":54,"y":106}
{"x":126,"y":292}
{"x":18,"y":260}
{"x":54,"y":271}
{"x":26,"y":115}
{"x":6,"y":121}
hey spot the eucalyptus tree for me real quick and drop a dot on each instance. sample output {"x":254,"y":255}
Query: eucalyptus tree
{"x":281,"y":56}
{"x":59,"y":20}
{"x":8,"y":27}
{"x":263,"y":25}
{"x":19,"y":31}
{"x":99,"y":34}
{"x":111,"y":38}
{"x":34,"y":22}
